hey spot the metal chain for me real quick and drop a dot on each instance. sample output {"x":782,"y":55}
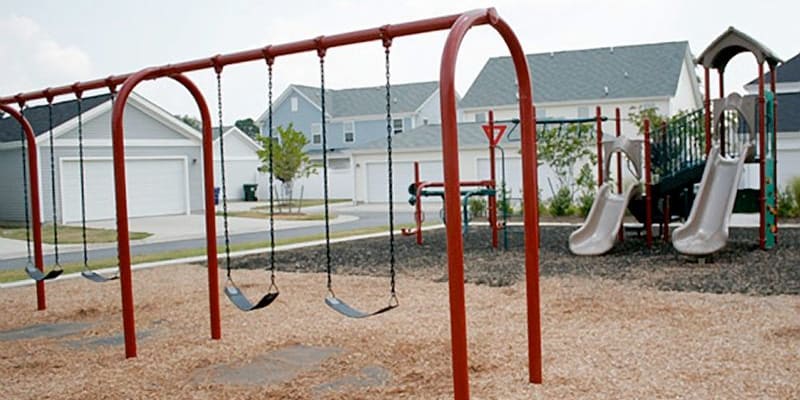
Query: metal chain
{"x":222,"y":174}
{"x":325,"y":173}
{"x":389,"y":133}
{"x":53,"y":182}
{"x":271,"y":182}
{"x":83,"y":187}
{"x":25,"y":184}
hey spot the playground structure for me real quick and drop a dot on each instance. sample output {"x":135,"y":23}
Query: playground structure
{"x":458,"y":25}
{"x":682,"y":153}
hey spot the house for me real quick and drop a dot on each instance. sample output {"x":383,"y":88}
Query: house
{"x":355,"y":117}
{"x":241,"y":163}
{"x":567,"y":84}
{"x":570,"y":84}
{"x":788,"y":137}
{"x":157,"y":145}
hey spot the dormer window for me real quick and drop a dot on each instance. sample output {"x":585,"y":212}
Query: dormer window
{"x":316,"y":133}
{"x":397,"y":126}
{"x":349,"y":128}
{"x":294,"y":104}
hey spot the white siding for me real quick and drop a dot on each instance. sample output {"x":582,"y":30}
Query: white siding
{"x":687,"y":95}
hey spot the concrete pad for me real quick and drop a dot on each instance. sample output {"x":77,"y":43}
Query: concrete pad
{"x":90,"y":343}
{"x":369,"y":376}
{"x":277,"y":366}
{"x":45,"y":331}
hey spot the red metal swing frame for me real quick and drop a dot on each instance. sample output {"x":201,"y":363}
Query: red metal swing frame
{"x":458,"y":25}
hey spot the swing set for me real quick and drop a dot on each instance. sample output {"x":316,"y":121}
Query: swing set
{"x":458,"y":25}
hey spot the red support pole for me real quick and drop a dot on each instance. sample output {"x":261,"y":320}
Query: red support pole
{"x":34,"y":202}
{"x":773,"y":77}
{"x":648,"y":185}
{"x":762,"y":223}
{"x":120,"y":186}
{"x":493,"y":177}
{"x":665,"y":237}
{"x":707,"y":106}
{"x":599,"y":116}
{"x":455,"y":245}
{"x":618,"y":126}
{"x":721,"y":127}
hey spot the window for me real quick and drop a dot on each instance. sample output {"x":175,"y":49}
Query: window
{"x":339,"y":163}
{"x":349,"y":128}
{"x":316,"y":133}
{"x":294,"y":104}
{"x":397,"y":126}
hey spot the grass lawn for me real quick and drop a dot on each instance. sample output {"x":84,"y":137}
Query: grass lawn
{"x":19,"y":273}
{"x":278,"y":216}
{"x":69,"y":234}
{"x":295,"y":203}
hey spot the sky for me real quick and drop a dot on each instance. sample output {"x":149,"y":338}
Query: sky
{"x":55,"y":42}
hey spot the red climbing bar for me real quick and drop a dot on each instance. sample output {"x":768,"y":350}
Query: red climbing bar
{"x":418,"y":205}
{"x":773,"y":72}
{"x":618,"y":126}
{"x":35,"y":207}
{"x":648,"y":189}
{"x":493,"y":177}
{"x":598,"y":114}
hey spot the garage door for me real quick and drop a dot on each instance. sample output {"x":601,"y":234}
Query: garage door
{"x":548,"y":181}
{"x":155,"y":187}
{"x":403,"y":172}
{"x":237,"y":173}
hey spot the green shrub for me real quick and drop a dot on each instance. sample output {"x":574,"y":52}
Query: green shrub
{"x":561,"y":202}
{"x":794,"y":188}
{"x":477,"y":207}
{"x":787,"y":204}
{"x":585,"y":204}
{"x":504,"y":204}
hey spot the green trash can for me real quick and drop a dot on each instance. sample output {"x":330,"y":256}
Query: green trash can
{"x":250,"y":191}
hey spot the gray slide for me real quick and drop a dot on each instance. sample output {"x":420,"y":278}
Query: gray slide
{"x":599,"y":232}
{"x":706,"y":230}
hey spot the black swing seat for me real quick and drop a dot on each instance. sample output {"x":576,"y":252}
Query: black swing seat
{"x":243,"y":303}
{"x":95,"y":277}
{"x":344,"y":309}
{"x":39,"y":276}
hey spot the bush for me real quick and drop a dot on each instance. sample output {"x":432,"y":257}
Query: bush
{"x":585,"y":204}
{"x":561,"y":202}
{"x":787,"y":204}
{"x":504,"y":204}
{"x":794,"y":188}
{"x":477,"y":207}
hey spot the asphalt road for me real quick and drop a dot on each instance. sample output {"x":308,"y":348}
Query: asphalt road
{"x":366,"y":219}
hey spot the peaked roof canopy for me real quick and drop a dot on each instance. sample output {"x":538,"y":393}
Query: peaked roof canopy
{"x":729,"y":44}
{"x":649,"y":70}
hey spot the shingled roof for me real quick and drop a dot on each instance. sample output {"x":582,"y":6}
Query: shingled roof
{"x":787,"y":72}
{"x":789,"y":112}
{"x":470,"y":134}
{"x":38,"y":116}
{"x":649,"y":70}
{"x":371,"y":100}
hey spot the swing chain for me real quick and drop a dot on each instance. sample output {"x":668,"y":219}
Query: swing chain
{"x":223,"y":187}
{"x":387,"y":42}
{"x":82,"y":180}
{"x":328,"y":268}
{"x":25,"y":182}
{"x":53,"y":180}
{"x":271,"y":180}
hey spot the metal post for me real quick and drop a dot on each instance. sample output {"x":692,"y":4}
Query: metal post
{"x":34,"y":202}
{"x":648,"y":185}
{"x":762,"y":220}
{"x":707,"y":107}
{"x":418,"y":204}
{"x":599,"y":117}
{"x":721,"y":127}
{"x":773,"y":78}
{"x":618,"y":126}
{"x":493,"y":177}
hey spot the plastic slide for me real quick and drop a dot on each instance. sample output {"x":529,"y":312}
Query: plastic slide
{"x":706,"y":230}
{"x":598,"y":234}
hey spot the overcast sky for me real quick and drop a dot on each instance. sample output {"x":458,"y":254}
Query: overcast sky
{"x":54,"y":42}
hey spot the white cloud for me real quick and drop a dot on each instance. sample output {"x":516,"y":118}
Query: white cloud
{"x":32,"y":59}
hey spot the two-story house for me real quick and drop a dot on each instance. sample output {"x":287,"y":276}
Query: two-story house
{"x":354,"y":117}
{"x":566,"y":84}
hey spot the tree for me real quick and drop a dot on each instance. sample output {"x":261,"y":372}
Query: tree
{"x":289,"y":160}
{"x":191,"y":121}
{"x":249,"y":127}
{"x":567,"y":151}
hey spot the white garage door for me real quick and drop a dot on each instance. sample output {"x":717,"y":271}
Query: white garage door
{"x":154,"y":187}
{"x":237,"y":173}
{"x":403,"y":173}
{"x":547,"y":179}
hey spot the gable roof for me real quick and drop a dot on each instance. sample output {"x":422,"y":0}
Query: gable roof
{"x":233,"y":130}
{"x":37,"y":116}
{"x":789,"y":112}
{"x":787,"y":72}
{"x":648,"y":70}
{"x":470,"y":134}
{"x":407,"y":97}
